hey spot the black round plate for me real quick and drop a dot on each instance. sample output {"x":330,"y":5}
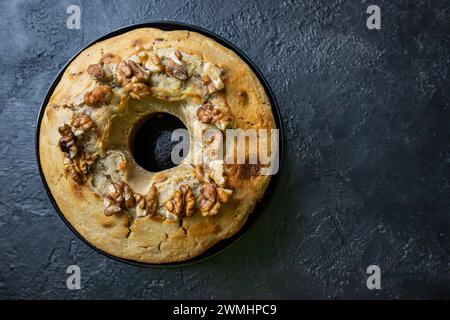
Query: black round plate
{"x":168,"y":26}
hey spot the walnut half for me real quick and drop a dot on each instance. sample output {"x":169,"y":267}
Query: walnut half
{"x":78,"y":167}
{"x":182,"y":202}
{"x":113,"y":199}
{"x":119,"y":196}
{"x":77,"y":162}
{"x":128,"y":196}
{"x":101,"y":94}
{"x":96,"y":71}
{"x":209,"y":113}
{"x":212,"y":197}
{"x":133,"y":78}
{"x":148,"y":204}
{"x":68,"y":140}
{"x":175,"y":66}
{"x":82,"y":123}
{"x":212,"y":77}
{"x":154,"y":63}
{"x":141,"y":206}
{"x":200,"y":173}
{"x":151,"y":200}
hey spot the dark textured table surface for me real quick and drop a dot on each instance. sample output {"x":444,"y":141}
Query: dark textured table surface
{"x":367,"y":171}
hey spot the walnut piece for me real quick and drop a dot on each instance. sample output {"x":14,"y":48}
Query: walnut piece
{"x":85,"y":161}
{"x":123,"y":73}
{"x":189,"y":200}
{"x":208,"y":198}
{"x":182,"y":202}
{"x":113,"y":199}
{"x":151,"y":61}
{"x":151,"y":200}
{"x":82,"y":123}
{"x":175,"y":67}
{"x":79,"y":167}
{"x":212,"y":77}
{"x":209,"y":84}
{"x":130,"y":71}
{"x":128,"y":196}
{"x":77,"y":162}
{"x":119,"y":196}
{"x":139,"y":74}
{"x":216,"y":173}
{"x":174,"y":205}
{"x":96,"y":71}
{"x":101,"y":94}
{"x":204,"y":112}
{"x":154,"y":63}
{"x":133,"y":78}
{"x":141,"y":206}
{"x":209,"y":113}
{"x":212,"y":197}
{"x":148,"y":204}
{"x":72,"y":170}
{"x":223,"y":194}
{"x":137,"y":90}
{"x":68,"y":140}
{"x":66,"y":106}
{"x":200,"y":173}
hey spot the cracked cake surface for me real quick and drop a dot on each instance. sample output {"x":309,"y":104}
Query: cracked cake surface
{"x":121,"y":208}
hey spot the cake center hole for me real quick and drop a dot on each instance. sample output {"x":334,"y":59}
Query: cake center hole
{"x":150,"y":141}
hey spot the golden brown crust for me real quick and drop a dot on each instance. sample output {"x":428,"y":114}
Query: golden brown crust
{"x":149,"y":239}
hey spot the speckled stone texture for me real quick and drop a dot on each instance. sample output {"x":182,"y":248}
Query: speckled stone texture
{"x":367,"y":167}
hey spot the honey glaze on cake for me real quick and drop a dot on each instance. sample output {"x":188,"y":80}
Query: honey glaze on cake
{"x":133,"y":203}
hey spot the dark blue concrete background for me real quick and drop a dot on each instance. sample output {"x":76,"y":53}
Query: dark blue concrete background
{"x":367,"y":169}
